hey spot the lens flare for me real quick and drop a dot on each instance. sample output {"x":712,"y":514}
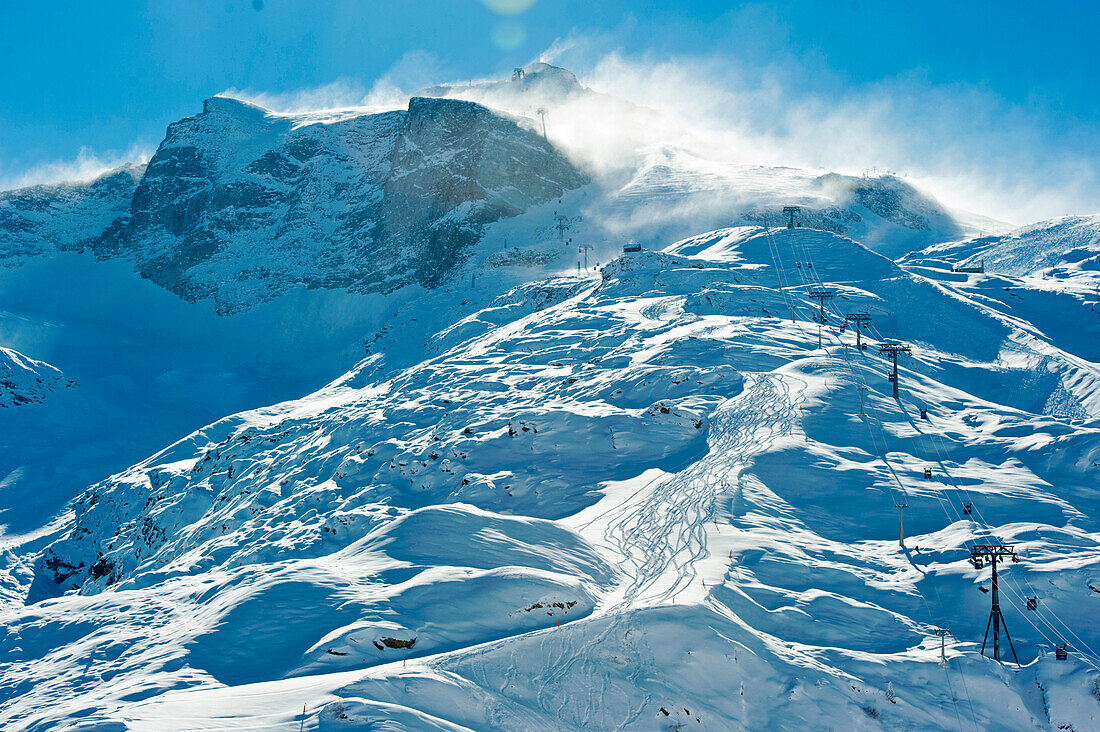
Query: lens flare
{"x":508,"y":7}
{"x":509,"y":34}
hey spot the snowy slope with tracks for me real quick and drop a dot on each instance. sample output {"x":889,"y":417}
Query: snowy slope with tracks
{"x":640,"y":500}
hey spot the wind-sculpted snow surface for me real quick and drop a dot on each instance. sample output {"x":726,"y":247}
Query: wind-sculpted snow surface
{"x":645,"y":501}
{"x":1043,"y":281}
{"x":1058,"y":249}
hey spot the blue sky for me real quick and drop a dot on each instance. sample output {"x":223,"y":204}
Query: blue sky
{"x":90,"y":83}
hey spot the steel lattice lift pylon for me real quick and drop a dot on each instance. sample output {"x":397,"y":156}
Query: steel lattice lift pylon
{"x":995,"y":553}
{"x":561,"y":223}
{"x":862,"y":320}
{"x":791,"y":211}
{"x":894,"y":349}
{"x":821,"y":296}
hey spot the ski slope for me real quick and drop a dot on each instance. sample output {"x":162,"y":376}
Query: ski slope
{"x":639,"y":499}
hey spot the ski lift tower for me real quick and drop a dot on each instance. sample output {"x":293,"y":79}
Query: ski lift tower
{"x":943,"y":633}
{"x":542,"y":114}
{"x":861,"y":320}
{"x":584,"y":248}
{"x":821,"y":296}
{"x":894,"y":349}
{"x":561,"y":223}
{"x":791,"y":211}
{"x":901,"y":505}
{"x":994,"y":553}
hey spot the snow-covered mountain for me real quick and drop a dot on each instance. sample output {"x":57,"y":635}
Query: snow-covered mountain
{"x":660,"y":460}
{"x":44,"y":219}
{"x":386,"y":432}
{"x":677,"y":186}
{"x":1057,"y":248}
{"x":1045,"y":277}
{"x":24,"y":380}
{"x":239,"y":203}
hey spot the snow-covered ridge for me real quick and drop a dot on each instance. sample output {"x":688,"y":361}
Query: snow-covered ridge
{"x":1045,"y":277}
{"x":1057,"y":248}
{"x":24,"y":380}
{"x":43,"y":219}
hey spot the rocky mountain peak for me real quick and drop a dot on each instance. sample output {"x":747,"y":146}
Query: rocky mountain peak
{"x":239,"y":203}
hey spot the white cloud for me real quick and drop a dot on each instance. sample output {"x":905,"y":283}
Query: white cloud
{"x":87,"y":165}
{"x":413,"y":71}
{"x":963,"y":143}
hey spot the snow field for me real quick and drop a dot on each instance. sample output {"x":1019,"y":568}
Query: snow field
{"x":695,"y":477}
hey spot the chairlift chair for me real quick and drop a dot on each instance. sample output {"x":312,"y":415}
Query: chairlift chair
{"x":1060,"y":652}
{"x":968,"y":508}
{"x":1032,"y":603}
{"x":928,"y":473}
{"x":978,"y":562}
{"x":924,"y":414}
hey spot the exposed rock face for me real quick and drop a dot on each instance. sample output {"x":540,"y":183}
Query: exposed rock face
{"x":239,"y":203}
{"x":45,"y":218}
{"x":456,"y":167}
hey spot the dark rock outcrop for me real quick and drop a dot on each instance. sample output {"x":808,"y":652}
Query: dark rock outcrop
{"x":240,"y":204}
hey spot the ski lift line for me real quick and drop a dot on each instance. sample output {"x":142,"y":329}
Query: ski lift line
{"x":773,"y":250}
{"x":939,"y":605}
{"x":1014,"y":591}
{"x":816,"y":275}
{"x":942,"y":501}
{"x":857,"y":376}
{"x":920,"y":593}
{"x":988,"y":530}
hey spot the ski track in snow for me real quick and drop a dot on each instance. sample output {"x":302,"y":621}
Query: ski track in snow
{"x":660,"y":532}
